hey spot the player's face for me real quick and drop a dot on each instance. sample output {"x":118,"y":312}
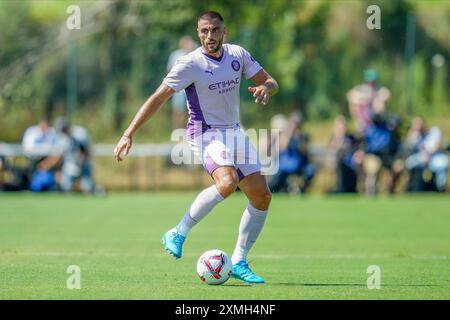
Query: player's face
{"x":211,"y":33}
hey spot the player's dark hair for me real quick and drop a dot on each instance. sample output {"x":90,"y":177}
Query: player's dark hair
{"x":210,"y":15}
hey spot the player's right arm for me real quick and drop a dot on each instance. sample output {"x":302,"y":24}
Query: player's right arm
{"x":148,"y":109}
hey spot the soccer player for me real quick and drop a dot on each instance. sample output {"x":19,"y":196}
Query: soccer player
{"x":211,"y":76}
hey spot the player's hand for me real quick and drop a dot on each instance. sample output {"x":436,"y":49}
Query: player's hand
{"x":124,"y":145}
{"x":261,"y":93}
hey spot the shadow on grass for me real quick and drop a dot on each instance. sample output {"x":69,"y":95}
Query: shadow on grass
{"x":238,"y":285}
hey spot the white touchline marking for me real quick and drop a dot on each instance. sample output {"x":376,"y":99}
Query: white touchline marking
{"x":253,"y":256}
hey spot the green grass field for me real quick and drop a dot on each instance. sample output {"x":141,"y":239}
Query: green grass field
{"x":311,"y":248}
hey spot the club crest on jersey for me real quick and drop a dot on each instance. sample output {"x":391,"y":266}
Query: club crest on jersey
{"x":235,"y":65}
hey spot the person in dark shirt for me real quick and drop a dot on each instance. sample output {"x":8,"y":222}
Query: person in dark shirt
{"x":343,"y":145}
{"x":380,"y":151}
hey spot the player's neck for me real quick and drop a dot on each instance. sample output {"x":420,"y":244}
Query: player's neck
{"x":217,"y":54}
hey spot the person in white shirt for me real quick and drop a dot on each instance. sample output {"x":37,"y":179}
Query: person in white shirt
{"x":39,"y":144}
{"x":432,"y":156}
{"x":39,"y":140}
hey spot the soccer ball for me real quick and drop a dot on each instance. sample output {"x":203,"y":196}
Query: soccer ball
{"x":214,"y":267}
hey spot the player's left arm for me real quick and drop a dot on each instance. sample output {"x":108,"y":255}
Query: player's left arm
{"x":266,"y":86}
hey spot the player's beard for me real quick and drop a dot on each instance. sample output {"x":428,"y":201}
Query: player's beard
{"x":216,"y":48}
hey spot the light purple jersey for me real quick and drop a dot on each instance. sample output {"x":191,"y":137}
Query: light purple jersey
{"x":212,"y":84}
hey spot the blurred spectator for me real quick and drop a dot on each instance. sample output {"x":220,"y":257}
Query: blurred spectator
{"x":414,"y":139}
{"x":415,"y":136}
{"x":4,"y":185}
{"x":12,"y":178}
{"x":343,"y":145}
{"x":77,"y":164}
{"x":429,"y":162}
{"x":179,"y":113}
{"x":394,"y":173}
{"x":40,"y":145}
{"x":39,"y":140}
{"x":293,"y":158}
{"x":279,"y":137}
{"x":381,"y":149}
{"x":367,"y":100}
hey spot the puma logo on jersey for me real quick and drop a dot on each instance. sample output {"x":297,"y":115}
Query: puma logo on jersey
{"x":209,"y":71}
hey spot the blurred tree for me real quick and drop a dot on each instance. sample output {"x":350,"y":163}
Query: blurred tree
{"x":316,"y":49}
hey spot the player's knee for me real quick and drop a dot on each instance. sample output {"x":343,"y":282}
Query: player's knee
{"x":227,"y":184}
{"x":266,"y":198}
{"x":262,"y":200}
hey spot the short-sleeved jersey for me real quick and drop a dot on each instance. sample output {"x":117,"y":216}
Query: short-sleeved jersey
{"x":212,"y":84}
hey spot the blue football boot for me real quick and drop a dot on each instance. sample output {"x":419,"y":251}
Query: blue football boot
{"x":173,"y":243}
{"x":242,"y":271}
